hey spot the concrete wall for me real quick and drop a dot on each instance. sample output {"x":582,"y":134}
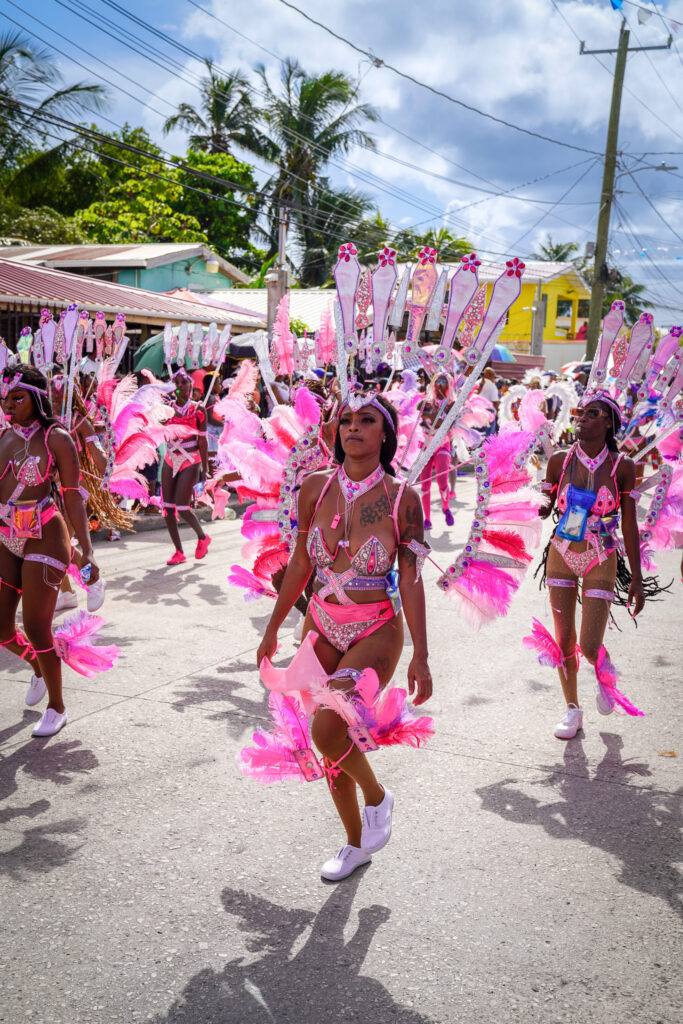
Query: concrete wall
{"x":557,"y":353}
{"x":175,"y":275}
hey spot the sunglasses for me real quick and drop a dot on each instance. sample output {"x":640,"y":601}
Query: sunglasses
{"x":593,"y":414}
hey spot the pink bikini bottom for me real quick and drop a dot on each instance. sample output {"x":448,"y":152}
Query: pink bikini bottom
{"x":181,"y":460}
{"x":343,"y":625}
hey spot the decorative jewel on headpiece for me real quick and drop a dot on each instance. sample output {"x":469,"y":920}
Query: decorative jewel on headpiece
{"x":515,"y":267}
{"x":8,"y":384}
{"x":600,"y":395}
{"x":359,"y":400}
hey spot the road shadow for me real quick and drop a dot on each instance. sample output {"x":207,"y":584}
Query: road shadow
{"x":222,"y":688}
{"x":41,"y":848}
{"x":638,"y":826}
{"x":313,"y":981}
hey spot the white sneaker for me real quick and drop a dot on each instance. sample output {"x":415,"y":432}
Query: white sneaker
{"x":344,"y":863}
{"x":50,"y":723}
{"x":66,"y":599}
{"x":96,"y":595}
{"x":36,"y":690}
{"x":604,"y":706}
{"x":299,"y":630}
{"x":376,"y":831}
{"x":569,"y":725}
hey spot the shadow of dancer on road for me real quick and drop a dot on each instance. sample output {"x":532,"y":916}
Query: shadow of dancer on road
{"x":319,"y":981}
{"x":636,"y":825}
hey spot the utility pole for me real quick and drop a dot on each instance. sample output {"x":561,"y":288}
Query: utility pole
{"x":607,"y":193}
{"x":277,"y":280}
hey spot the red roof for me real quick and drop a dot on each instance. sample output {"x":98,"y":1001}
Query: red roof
{"x":23,"y":283}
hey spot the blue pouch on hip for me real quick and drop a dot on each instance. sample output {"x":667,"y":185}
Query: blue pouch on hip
{"x":572,"y":525}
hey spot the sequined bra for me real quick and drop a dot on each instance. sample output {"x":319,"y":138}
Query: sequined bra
{"x":27,"y":473}
{"x":369,"y":567}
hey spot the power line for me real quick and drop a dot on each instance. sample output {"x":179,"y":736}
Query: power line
{"x":653,"y":207}
{"x":430,"y":88}
{"x":566,"y":193}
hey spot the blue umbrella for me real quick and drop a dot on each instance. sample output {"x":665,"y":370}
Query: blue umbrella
{"x":501,"y":354}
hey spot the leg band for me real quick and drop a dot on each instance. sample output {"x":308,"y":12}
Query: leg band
{"x":182,"y":508}
{"x":560,"y":583}
{"x":4,"y":583}
{"x":54,"y":563}
{"x":332,"y":768}
{"x":606,"y":595}
{"x":347,"y":673}
{"x":28,"y":650}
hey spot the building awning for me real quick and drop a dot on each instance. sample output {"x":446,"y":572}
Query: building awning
{"x":22,"y":284}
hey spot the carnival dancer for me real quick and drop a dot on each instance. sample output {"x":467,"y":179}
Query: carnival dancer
{"x":592,"y":485}
{"x":35,"y":548}
{"x":435,"y":409}
{"x":180,"y":473}
{"x":354,"y":524}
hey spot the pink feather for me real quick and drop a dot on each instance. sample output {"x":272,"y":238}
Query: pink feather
{"x":545,"y":645}
{"x":326,"y":341}
{"x":306,"y":408}
{"x":283,"y":339}
{"x":483,"y":592}
{"x":387,"y":715}
{"x":252,"y":527}
{"x":607,"y":677}
{"x":507,"y":541}
{"x":126,"y":487}
{"x":240,"y":577}
{"x":272,"y":758}
{"x":72,"y":647}
{"x":244,"y":382}
{"x":531,"y":416}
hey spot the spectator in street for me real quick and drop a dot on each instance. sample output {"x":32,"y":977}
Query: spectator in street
{"x":489,"y":391}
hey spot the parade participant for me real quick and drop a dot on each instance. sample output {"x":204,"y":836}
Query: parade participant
{"x":592,"y":485}
{"x":182,"y":463}
{"x":35,"y":549}
{"x":354,"y":523}
{"x":434,"y":410}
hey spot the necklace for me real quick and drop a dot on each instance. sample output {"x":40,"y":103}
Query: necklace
{"x":353,"y":489}
{"x":181,"y":410}
{"x":592,"y":465}
{"x":26,"y":432}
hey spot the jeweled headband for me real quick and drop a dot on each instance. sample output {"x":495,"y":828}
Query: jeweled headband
{"x":17,"y":381}
{"x":359,"y":401}
{"x":600,"y":396}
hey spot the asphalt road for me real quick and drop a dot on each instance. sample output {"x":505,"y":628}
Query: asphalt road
{"x":528,"y":879}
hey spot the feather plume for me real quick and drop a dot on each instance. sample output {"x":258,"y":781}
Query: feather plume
{"x":307,"y":408}
{"x":326,"y":340}
{"x":252,"y":528}
{"x":272,"y":758}
{"x":268,"y":563}
{"x":387,"y":715}
{"x":244,"y":383}
{"x":545,"y":645}
{"x":72,"y":646}
{"x":283,"y":339}
{"x":608,"y":677}
{"x":508,"y":542}
{"x":240,"y":577}
{"x":531,"y":416}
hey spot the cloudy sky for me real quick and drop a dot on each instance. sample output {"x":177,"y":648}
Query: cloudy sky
{"x":436,"y":162}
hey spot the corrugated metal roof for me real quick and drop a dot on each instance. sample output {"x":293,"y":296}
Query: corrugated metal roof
{"x":147,"y":254}
{"x":20,"y":282}
{"x":307,"y":304}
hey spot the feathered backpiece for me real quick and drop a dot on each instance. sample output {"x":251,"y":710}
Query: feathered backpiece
{"x":244,"y":383}
{"x":283,"y":339}
{"x":607,"y":677}
{"x":72,"y":644}
{"x":489,"y":570}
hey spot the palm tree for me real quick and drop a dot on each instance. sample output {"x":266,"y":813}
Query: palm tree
{"x":30,"y":90}
{"x":631,"y":294}
{"x":226,"y":118}
{"x":309,"y":119}
{"x":555,"y":252}
{"x":335,"y":217}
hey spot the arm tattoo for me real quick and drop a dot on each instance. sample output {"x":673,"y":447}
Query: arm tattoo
{"x":375,"y":512}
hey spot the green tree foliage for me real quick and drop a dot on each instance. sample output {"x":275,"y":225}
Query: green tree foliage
{"x":31,"y":87}
{"x":227,"y":225}
{"x":631,"y":294}
{"x":226,"y":117}
{"x":556,"y":252}
{"x":41,"y":225}
{"x":142,"y":208}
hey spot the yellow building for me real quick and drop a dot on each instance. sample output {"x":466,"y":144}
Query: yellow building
{"x":563,"y":306}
